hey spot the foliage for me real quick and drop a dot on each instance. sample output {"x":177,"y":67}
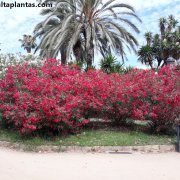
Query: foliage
{"x":58,"y":104}
{"x":156,"y":97}
{"x":128,"y":69}
{"x":28,"y":42}
{"x":66,"y":97}
{"x":160,"y":47}
{"x":110,"y":65}
{"x":146,"y":55}
{"x":7,"y":60}
{"x":80,"y":27}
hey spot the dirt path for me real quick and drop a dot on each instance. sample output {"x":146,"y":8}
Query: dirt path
{"x":73,"y":166}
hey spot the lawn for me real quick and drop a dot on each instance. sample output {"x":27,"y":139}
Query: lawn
{"x":98,"y":137}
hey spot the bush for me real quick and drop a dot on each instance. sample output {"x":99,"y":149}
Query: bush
{"x":145,"y":95}
{"x":156,"y":97}
{"x":7,"y":60}
{"x":54,"y":98}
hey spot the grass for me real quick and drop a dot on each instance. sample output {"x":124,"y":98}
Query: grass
{"x":92,"y":138}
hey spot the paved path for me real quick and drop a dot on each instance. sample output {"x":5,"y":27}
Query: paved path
{"x":73,"y":166}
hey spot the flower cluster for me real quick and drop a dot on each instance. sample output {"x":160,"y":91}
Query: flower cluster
{"x":156,"y":97}
{"x":61,"y":98}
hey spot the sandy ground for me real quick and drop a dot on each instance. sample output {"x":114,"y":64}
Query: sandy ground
{"x":76,"y":166}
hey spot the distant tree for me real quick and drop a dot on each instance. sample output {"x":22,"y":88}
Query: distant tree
{"x":28,"y":42}
{"x":146,"y":55}
{"x":160,"y":47}
{"x":149,"y":38}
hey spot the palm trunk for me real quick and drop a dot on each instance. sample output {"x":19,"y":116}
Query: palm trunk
{"x":162,"y":29}
{"x":159,"y":60}
{"x":90,"y":56}
{"x":151,"y":65}
{"x":89,"y":49}
{"x":28,"y":49}
{"x":63,"y":55}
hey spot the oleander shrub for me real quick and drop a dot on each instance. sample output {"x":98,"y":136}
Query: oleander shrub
{"x":117,"y":106}
{"x":145,"y":95}
{"x":156,"y":98}
{"x":52,"y":97}
{"x":11,"y":59}
{"x":61,"y":99}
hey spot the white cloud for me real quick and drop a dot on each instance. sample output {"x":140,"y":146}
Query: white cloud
{"x":144,"y":4}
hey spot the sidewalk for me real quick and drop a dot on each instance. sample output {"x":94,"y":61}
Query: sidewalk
{"x":78,"y":166}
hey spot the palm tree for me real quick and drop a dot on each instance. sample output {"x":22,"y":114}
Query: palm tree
{"x":85,"y":26}
{"x":162,"y":26}
{"x":162,"y":46}
{"x":28,"y":42}
{"x":157,"y":49}
{"x":149,"y":38}
{"x":172,"y":23}
{"x":146,"y":55}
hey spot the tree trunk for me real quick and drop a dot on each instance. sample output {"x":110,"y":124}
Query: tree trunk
{"x":159,"y":60}
{"x":28,"y":49}
{"x":151,"y":65}
{"x":162,"y":29}
{"x":90,"y":55}
{"x":63,"y":55}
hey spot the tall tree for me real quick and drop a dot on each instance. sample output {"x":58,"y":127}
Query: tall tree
{"x":85,"y":26}
{"x":149,"y":38}
{"x":146,"y":55}
{"x":162,"y":26}
{"x":172,"y":23}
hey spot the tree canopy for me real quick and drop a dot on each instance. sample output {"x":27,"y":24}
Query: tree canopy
{"x":82,"y":27}
{"x":160,"y":47}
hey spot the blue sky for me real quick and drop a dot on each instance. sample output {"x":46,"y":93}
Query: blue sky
{"x":18,"y":21}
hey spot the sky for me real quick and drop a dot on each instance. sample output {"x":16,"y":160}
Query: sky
{"x":18,"y":21}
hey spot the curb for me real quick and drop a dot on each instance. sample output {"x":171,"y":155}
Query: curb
{"x":95,"y":149}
